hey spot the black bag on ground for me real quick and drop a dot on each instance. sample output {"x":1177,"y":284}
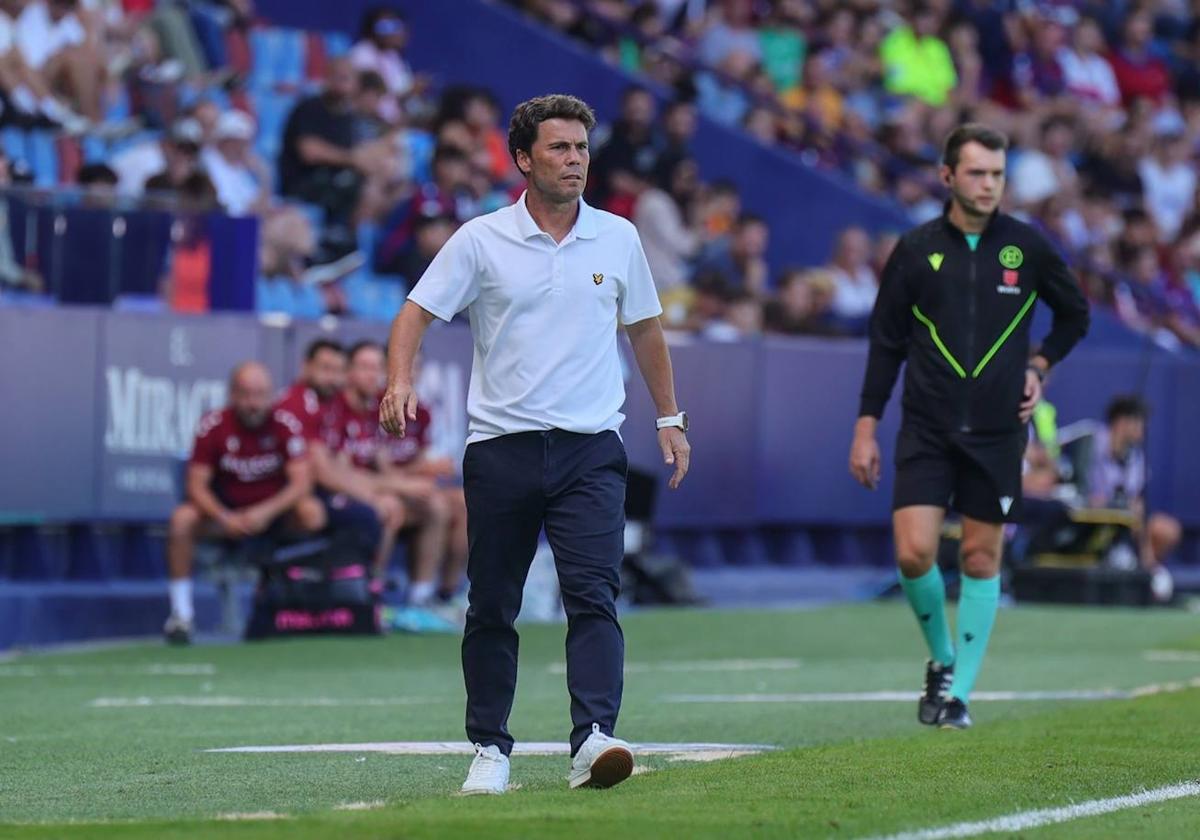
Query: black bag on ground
{"x":317,"y":586}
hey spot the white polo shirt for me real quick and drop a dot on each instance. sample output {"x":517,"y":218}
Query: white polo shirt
{"x":544,"y":316}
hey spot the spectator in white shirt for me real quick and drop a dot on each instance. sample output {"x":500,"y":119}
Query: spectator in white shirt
{"x":1168,"y":180}
{"x":1048,"y":170}
{"x":1088,"y":75}
{"x":54,"y":44}
{"x":659,"y":214}
{"x":854,"y":281}
{"x":242,"y":180}
{"x":177,"y":150}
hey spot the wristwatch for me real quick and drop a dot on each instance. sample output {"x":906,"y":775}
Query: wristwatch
{"x":679,"y":421}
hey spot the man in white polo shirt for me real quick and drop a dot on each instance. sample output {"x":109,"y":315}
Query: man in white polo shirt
{"x":547,"y":281}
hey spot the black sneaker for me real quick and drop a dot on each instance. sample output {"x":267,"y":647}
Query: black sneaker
{"x":954,"y":715}
{"x":937,"y":682}
{"x":177,"y":631}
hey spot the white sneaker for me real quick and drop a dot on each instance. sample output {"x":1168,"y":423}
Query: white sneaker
{"x":601,"y":762}
{"x":488,"y":773}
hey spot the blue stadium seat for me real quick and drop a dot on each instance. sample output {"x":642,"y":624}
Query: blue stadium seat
{"x":265,"y":46}
{"x":289,"y":67}
{"x":337,"y":44}
{"x":121,"y":107}
{"x":272,"y":110}
{"x":273,"y":295}
{"x":13,"y":139}
{"x":95,"y":150}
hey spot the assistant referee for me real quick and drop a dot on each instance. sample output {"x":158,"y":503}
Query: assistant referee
{"x":955,"y":301}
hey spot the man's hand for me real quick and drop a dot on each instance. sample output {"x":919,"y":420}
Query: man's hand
{"x":1032,"y":394}
{"x":233,"y":523}
{"x":255,"y":520}
{"x":398,"y":406}
{"x":676,"y":450}
{"x":864,"y":454}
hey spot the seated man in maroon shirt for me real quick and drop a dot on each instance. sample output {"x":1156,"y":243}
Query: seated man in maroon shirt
{"x":352,"y":500}
{"x":249,"y":474}
{"x":438,"y":513}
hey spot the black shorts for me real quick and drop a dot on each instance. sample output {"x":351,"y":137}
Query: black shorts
{"x":975,"y":474}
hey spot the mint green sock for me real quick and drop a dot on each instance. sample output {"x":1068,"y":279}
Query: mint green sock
{"x":977,"y":603}
{"x":927,"y":596}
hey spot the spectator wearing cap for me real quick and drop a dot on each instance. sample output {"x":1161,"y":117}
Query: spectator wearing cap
{"x":176,"y":153}
{"x":13,"y":275}
{"x":380,"y":48}
{"x":241,"y":178}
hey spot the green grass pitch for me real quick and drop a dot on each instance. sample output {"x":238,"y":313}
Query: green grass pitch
{"x":110,"y":743}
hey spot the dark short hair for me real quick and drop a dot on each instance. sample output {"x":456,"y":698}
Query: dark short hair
{"x":319,"y":344}
{"x":747,"y":218}
{"x":369,"y":81}
{"x":96,"y":173}
{"x":359,"y":346}
{"x":979,"y":133}
{"x":1123,"y":406}
{"x":445,"y":153}
{"x":523,"y":127}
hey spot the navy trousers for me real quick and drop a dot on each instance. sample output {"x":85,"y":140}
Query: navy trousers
{"x":574,"y":486}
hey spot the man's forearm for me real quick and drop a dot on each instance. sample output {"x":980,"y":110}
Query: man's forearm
{"x":285,"y":499}
{"x":405,"y":339}
{"x":206,"y":501}
{"x":654,"y":361}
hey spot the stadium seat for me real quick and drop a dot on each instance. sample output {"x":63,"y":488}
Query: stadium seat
{"x":290,"y":60}
{"x":13,"y":139}
{"x":337,"y":44}
{"x":265,"y":46}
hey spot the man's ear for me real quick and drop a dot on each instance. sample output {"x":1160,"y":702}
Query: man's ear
{"x":524,"y":164}
{"x":945,"y":173}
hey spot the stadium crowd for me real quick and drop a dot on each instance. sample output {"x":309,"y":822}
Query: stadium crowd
{"x":370,"y":168}
{"x":1100,"y":99}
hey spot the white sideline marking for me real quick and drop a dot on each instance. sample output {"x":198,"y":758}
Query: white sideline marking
{"x":253,"y":815}
{"x":1172,"y":655}
{"x":272,"y":702}
{"x":360,"y":806}
{"x":892,"y":696}
{"x":155,"y":669}
{"x":678,"y":752}
{"x":908,"y":696}
{"x":1025,"y":820}
{"x":701,"y":665}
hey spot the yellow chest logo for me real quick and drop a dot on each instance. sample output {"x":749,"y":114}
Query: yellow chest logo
{"x":597,"y":279}
{"x":935,"y":260}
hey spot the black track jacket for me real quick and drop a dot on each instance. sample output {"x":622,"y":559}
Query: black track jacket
{"x":961,"y":320}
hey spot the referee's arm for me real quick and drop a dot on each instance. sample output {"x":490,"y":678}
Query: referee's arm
{"x":1058,"y":288}
{"x":890,"y":326}
{"x":889,"y":330}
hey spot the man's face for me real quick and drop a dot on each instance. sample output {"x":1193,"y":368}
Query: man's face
{"x":977,"y":183}
{"x":250,"y":396}
{"x":752,"y":239}
{"x":639,"y":109}
{"x":1127,"y":433}
{"x":558,"y":161}
{"x":855,"y":249}
{"x":326,"y":373}
{"x":341,"y":84}
{"x":366,"y":375}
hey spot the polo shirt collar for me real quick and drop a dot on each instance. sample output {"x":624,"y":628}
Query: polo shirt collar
{"x":585,"y":223}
